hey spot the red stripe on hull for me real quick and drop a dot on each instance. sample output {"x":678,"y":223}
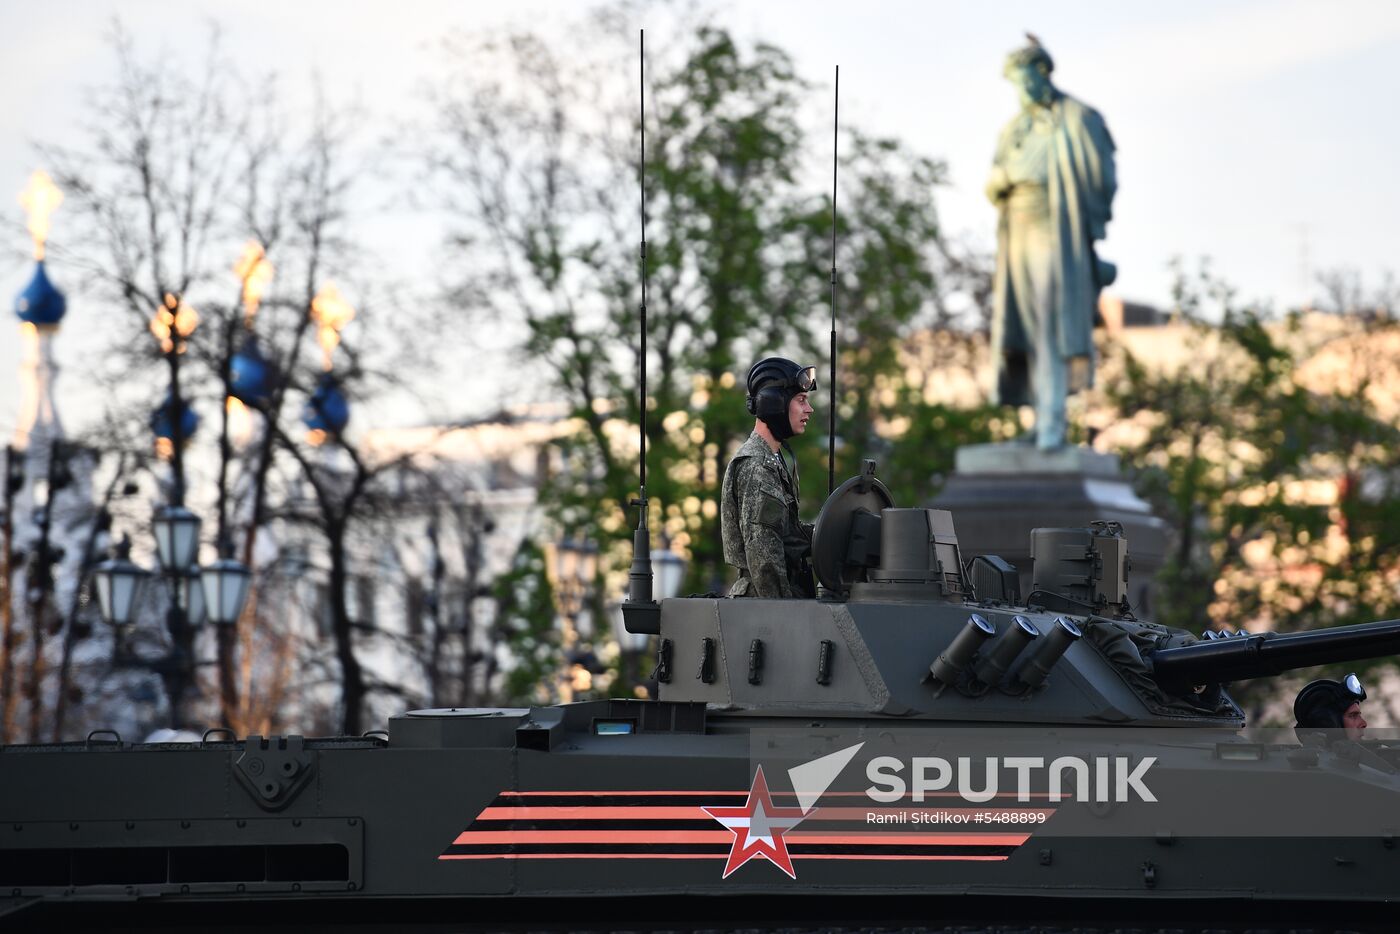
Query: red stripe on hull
{"x":740,"y":794}
{"x":795,"y":856}
{"x":618,"y":794}
{"x":721,"y":835}
{"x":590,"y":812}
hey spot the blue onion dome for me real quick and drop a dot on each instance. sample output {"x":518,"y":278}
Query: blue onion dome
{"x":163,"y":424}
{"x":327,"y":410}
{"x":250,"y":375}
{"x":41,"y":303}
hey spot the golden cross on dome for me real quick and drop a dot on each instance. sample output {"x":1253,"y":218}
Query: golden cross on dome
{"x":39,"y":199}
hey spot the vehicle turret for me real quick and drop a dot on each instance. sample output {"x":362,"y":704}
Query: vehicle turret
{"x":908,"y":627}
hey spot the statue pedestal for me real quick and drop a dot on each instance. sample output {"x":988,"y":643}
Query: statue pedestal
{"x":999,"y":492}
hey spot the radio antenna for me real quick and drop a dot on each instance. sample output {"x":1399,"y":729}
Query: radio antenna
{"x":642,"y":184}
{"x":831,"y":432}
{"x":640,"y":612}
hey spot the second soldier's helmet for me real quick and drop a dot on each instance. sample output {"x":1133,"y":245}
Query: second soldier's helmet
{"x":772,"y":383}
{"x":1321,"y":704}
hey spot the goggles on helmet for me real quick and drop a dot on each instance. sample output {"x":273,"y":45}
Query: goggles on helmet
{"x":781,"y":373}
{"x":1320,"y":704}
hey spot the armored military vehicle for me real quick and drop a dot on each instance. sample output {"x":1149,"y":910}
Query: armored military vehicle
{"x":922,"y":747}
{"x":734,"y":797}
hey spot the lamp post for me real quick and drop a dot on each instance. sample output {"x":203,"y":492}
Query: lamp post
{"x":575,"y":566}
{"x":217,"y":593}
{"x":670,"y":572}
{"x":669,"y":568}
{"x":40,"y":584}
{"x":189,"y":593}
{"x":177,"y":542}
{"x":14,"y":482}
{"x":175,"y":529}
{"x":119,"y":581}
{"x":225,"y":589}
{"x":177,"y":537}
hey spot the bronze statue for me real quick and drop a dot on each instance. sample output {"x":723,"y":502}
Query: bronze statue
{"x":1052,"y":183}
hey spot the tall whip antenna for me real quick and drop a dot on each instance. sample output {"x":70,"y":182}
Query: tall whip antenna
{"x":640,"y":612}
{"x":642,"y":183}
{"x":831,"y":432}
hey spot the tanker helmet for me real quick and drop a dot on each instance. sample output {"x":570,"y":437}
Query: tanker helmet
{"x":1321,"y":704}
{"x":772,"y":382}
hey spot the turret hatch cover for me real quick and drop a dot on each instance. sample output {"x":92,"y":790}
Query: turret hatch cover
{"x":838,"y":561}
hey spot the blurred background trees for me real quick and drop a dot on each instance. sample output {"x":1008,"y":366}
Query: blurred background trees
{"x":1273,"y":450}
{"x":216,"y":225}
{"x":537,"y":152}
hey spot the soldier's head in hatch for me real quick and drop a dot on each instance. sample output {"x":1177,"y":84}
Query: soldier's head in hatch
{"x":1332,"y":705}
{"x":778,"y":392}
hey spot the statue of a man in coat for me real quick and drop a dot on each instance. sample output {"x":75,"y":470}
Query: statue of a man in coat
{"x":1052,"y":183}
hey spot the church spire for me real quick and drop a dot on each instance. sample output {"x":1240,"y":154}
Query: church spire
{"x":40,"y":307}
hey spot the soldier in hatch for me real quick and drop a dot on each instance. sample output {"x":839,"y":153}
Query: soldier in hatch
{"x":763,"y":536}
{"x":1331,"y":705}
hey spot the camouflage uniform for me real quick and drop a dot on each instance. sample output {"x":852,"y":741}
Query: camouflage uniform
{"x":763,"y":536}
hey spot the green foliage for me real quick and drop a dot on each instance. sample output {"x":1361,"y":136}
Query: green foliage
{"x":1243,"y":456}
{"x":525,"y":623}
{"x":917,"y":464}
{"x":739,"y":257}
{"x":887,"y":286}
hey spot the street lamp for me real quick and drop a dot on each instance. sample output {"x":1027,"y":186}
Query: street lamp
{"x":177,"y":538}
{"x":218,"y":591}
{"x":575,"y":567}
{"x":226,"y":584}
{"x":189,"y":593}
{"x":670,"y":572}
{"x":119,"y":583}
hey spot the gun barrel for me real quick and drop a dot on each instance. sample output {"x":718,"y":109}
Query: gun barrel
{"x":1260,"y":654}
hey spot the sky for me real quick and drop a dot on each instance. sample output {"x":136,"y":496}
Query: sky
{"x":1253,"y":133}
